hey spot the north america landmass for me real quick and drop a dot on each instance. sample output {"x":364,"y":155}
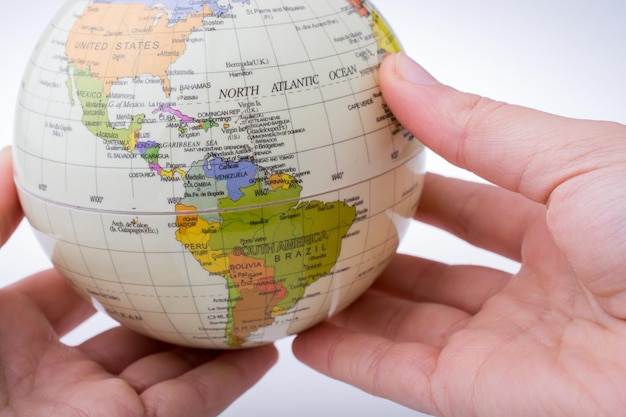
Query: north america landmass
{"x":267,"y":244}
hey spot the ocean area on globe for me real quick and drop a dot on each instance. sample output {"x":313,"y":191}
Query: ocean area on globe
{"x":215,"y":173}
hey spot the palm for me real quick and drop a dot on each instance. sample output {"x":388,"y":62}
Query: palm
{"x":541,"y":342}
{"x":118,"y":373}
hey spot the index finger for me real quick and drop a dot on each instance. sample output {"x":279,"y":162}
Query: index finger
{"x":521,"y":149}
{"x":211,"y":387}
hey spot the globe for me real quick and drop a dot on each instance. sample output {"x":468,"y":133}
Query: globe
{"x":215,"y":173}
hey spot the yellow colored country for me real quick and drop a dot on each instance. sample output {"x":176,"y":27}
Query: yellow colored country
{"x":195,"y":234}
{"x":281,"y":180}
{"x":383,"y":34}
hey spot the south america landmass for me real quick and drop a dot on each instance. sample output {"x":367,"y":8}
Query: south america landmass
{"x":270,"y":250}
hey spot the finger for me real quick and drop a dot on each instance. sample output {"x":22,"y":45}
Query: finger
{"x":10,"y":209}
{"x":397,"y":371}
{"x":211,"y":387}
{"x":518,"y":148}
{"x":486,"y":216}
{"x":57,"y":301}
{"x":402,"y":320}
{"x":161,"y":366}
{"x":120,"y":347}
{"x":463,"y":287}
{"x":22,"y":326}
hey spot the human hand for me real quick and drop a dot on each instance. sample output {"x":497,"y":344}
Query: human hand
{"x":118,"y":373}
{"x":473,"y":341}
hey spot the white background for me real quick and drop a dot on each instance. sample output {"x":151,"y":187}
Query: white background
{"x":562,"y":56}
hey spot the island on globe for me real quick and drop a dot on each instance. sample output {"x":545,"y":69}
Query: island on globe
{"x":215,"y":173}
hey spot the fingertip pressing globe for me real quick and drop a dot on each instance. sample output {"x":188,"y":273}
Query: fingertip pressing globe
{"x":215,"y":174}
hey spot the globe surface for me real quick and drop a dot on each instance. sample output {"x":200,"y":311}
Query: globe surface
{"x":215,"y":173}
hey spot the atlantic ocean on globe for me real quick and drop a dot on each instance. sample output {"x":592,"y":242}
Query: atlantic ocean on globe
{"x":217,"y":173}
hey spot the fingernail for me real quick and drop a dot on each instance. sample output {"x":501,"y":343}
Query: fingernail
{"x":412,"y":72}
{"x":5,"y":151}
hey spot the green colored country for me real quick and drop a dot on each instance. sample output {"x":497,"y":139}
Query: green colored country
{"x":301,"y":241}
{"x":94,"y":103}
{"x":151,"y":155}
{"x":207,"y":124}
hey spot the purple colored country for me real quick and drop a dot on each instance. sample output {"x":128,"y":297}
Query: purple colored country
{"x":237,"y":174}
{"x":179,"y":9}
{"x":175,"y":112}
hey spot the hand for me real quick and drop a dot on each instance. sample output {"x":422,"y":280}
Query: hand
{"x":118,"y":373}
{"x":473,"y":341}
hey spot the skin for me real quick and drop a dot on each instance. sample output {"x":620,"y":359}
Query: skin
{"x":117,"y":373}
{"x":459,"y":340}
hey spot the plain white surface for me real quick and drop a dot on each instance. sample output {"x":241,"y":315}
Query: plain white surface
{"x":561,"y":56}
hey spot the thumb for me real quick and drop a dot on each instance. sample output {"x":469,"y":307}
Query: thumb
{"x":520,"y":149}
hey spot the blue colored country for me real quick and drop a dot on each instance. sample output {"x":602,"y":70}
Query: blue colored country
{"x":179,"y":9}
{"x":237,"y":174}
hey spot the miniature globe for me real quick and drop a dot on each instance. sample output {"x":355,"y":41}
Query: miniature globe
{"x":213,"y":173}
